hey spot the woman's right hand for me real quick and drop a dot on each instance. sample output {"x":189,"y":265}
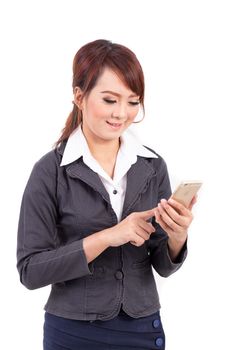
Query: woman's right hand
{"x":134,"y":229}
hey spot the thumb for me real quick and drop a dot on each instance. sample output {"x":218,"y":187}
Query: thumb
{"x":193,"y":201}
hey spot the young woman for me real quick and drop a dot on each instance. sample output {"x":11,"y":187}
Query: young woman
{"x":96,"y":215}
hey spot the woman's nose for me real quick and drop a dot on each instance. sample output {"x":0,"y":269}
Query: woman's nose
{"x":120,"y":112}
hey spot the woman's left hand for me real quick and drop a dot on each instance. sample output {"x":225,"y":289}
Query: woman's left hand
{"x":175,"y":219}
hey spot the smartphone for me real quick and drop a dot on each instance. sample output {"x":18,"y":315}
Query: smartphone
{"x":185,"y":192}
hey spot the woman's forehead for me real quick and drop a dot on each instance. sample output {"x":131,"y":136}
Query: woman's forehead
{"x":109,"y":81}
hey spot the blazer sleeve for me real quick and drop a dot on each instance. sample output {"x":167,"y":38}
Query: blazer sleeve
{"x":158,"y":243}
{"x":40,"y":259}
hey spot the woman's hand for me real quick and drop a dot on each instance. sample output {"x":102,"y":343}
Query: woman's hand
{"x":175,"y":219}
{"x":134,"y":229}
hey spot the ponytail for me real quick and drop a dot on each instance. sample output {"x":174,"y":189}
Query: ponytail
{"x":73,"y":121}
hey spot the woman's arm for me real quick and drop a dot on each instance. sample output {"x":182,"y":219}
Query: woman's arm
{"x":41,"y":259}
{"x":166,"y":257}
{"x":175,"y":220}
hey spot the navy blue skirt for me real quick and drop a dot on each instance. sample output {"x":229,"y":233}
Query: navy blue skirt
{"x":123,"y":333}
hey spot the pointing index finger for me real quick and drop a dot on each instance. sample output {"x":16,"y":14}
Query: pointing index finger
{"x":147,"y":214}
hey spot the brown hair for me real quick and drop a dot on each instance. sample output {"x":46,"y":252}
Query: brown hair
{"x":88,"y":64}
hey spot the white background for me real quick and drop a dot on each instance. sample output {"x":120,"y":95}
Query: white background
{"x":185,"y":48}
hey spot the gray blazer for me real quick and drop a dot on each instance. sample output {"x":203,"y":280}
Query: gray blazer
{"x":61,"y":206}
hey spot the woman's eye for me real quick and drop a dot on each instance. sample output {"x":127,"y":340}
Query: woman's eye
{"x":134,"y":103}
{"x":109,"y":100}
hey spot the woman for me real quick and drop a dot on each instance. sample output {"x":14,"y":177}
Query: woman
{"x":96,"y":215}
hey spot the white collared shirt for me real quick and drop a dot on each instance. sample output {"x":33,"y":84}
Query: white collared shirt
{"x":130,"y":148}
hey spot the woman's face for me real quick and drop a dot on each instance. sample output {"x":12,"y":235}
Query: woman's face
{"x":109,"y":108}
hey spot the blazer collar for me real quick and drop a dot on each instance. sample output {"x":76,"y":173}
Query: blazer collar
{"x":138,"y":178}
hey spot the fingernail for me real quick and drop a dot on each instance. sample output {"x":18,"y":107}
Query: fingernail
{"x":171,"y":201}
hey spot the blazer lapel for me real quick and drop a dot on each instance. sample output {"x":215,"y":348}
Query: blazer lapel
{"x":138,"y":177}
{"x":81,"y":171}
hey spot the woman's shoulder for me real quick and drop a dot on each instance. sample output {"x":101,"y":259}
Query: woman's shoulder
{"x":51,"y":160}
{"x":157,"y":159}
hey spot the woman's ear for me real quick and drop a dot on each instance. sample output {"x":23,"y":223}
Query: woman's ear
{"x":78,"y":97}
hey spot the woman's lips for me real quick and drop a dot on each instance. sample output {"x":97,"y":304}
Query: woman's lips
{"x":114,"y":125}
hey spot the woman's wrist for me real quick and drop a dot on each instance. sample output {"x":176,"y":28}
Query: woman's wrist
{"x":175,"y":247}
{"x":104,"y":238}
{"x":95,"y":244}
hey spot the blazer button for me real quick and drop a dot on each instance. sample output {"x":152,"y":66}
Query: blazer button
{"x":156,"y":323}
{"x":159,"y":342}
{"x":119,"y":275}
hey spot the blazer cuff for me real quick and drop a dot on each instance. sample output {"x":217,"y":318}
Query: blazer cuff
{"x":181,"y":256}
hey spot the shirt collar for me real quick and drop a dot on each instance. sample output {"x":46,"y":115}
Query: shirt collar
{"x":131,"y":147}
{"x":77,"y":147}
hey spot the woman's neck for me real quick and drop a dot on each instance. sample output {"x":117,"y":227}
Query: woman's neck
{"x":102,"y":149}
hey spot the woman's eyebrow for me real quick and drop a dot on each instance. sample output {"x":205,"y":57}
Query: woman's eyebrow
{"x":116,"y":94}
